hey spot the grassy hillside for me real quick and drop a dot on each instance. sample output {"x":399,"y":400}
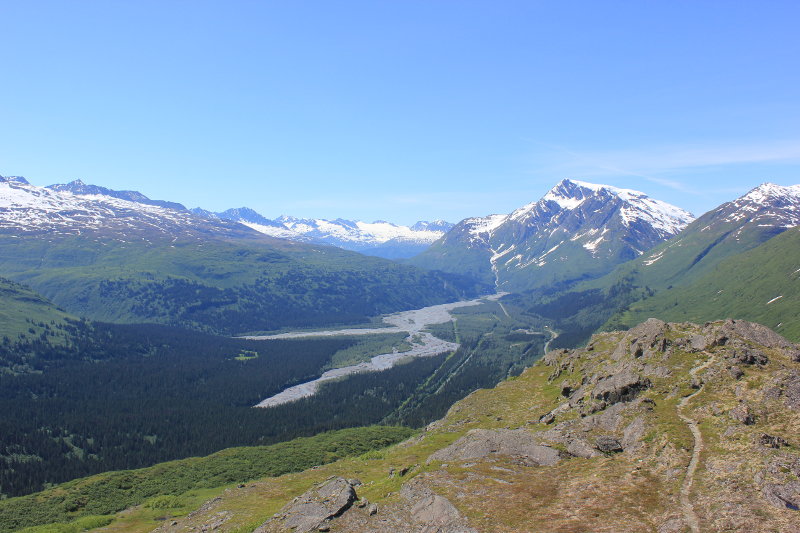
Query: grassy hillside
{"x":224,"y":286}
{"x":762,"y":285}
{"x":21,"y":310}
{"x":174,"y":485}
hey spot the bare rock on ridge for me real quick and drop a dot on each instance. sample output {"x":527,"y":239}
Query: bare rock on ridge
{"x":481,"y":443}
{"x":307,"y":512}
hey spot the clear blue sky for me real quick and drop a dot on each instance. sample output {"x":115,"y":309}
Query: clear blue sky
{"x":400,"y":110}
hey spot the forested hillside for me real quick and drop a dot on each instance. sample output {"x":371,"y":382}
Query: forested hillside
{"x":221,"y":286}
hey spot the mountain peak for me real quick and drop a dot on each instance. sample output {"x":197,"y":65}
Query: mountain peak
{"x":576,"y":230}
{"x":14,"y":179}
{"x":78,"y":187}
{"x":577,"y":190}
{"x":569,"y":195}
{"x":766,"y":191}
{"x":436,"y":225}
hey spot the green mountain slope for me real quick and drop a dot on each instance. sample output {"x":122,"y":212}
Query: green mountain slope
{"x":21,"y":310}
{"x":454,"y":252}
{"x":762,"y":285}
{"x":730,"y":229}
{"x":177,"y":483}
{"x":225,"y":285}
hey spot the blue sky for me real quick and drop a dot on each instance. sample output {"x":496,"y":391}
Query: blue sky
{"x":400,"y":110}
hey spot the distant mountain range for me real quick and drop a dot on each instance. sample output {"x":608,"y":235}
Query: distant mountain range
{"x":117,"y":257}
{"x":79,"y":209}
{"x":379,"y":238}
{"x":577,"y":231}
{"x":79,"y":187}
{"x":627,"y":253}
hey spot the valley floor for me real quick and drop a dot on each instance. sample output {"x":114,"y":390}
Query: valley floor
{"x":412,"y":322}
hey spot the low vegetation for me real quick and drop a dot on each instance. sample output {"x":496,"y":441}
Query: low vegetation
{"x":92,"y":499}
{"x":366,"y":347}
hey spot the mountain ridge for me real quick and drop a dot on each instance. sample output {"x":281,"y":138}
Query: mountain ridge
{"x":591,"y":227}
{"x":379,"y":238}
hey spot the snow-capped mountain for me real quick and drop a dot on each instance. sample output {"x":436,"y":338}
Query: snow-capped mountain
{"x":733,"y":227}
{"x":77,"y":207}
{"x":576,"y":231}
{"x":81,"y":188}
{"x":379,"y":238}
{"x":768,"y":203}
{"x":92,"y":211}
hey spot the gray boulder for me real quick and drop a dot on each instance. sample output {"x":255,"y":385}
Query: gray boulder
{"x":608,"y":444}
{"x":783,"y":496}
{"x":308,"y":512}
{"x":741,"y":413}
{"x":621,"y":387}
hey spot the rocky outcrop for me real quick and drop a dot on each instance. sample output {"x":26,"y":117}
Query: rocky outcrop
{"x":481,"y":443}
{"x":783,"y":496}
{"x":741,"y":413}
{"x":433,"y":513}
{"x":749,"y":331}
{"x":622,"y":387}
{"x":608,"y":444}
{"x":308,"y":512}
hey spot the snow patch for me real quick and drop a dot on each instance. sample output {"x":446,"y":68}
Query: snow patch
{"x":481,"y":225}
{"x":653,"y":258}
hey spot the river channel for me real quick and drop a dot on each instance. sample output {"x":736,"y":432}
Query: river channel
{"x":412,"y":322}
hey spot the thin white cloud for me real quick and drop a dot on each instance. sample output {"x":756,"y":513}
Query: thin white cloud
{"x":672,"y":184}
{"x":653,"y":163}
{"x":677,"y":157}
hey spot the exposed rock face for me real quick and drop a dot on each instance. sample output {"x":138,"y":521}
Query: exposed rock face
{"x":750,"y":331}
{"x":433,"y":513}
{"x":620,"y":387}
{"x":783,"y":496}
{"x":608,"y":444}
{"x":792,"y":392}
{"x":311,"y":509}
{"x":741,"y":413}
{"x":481,"y":443}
